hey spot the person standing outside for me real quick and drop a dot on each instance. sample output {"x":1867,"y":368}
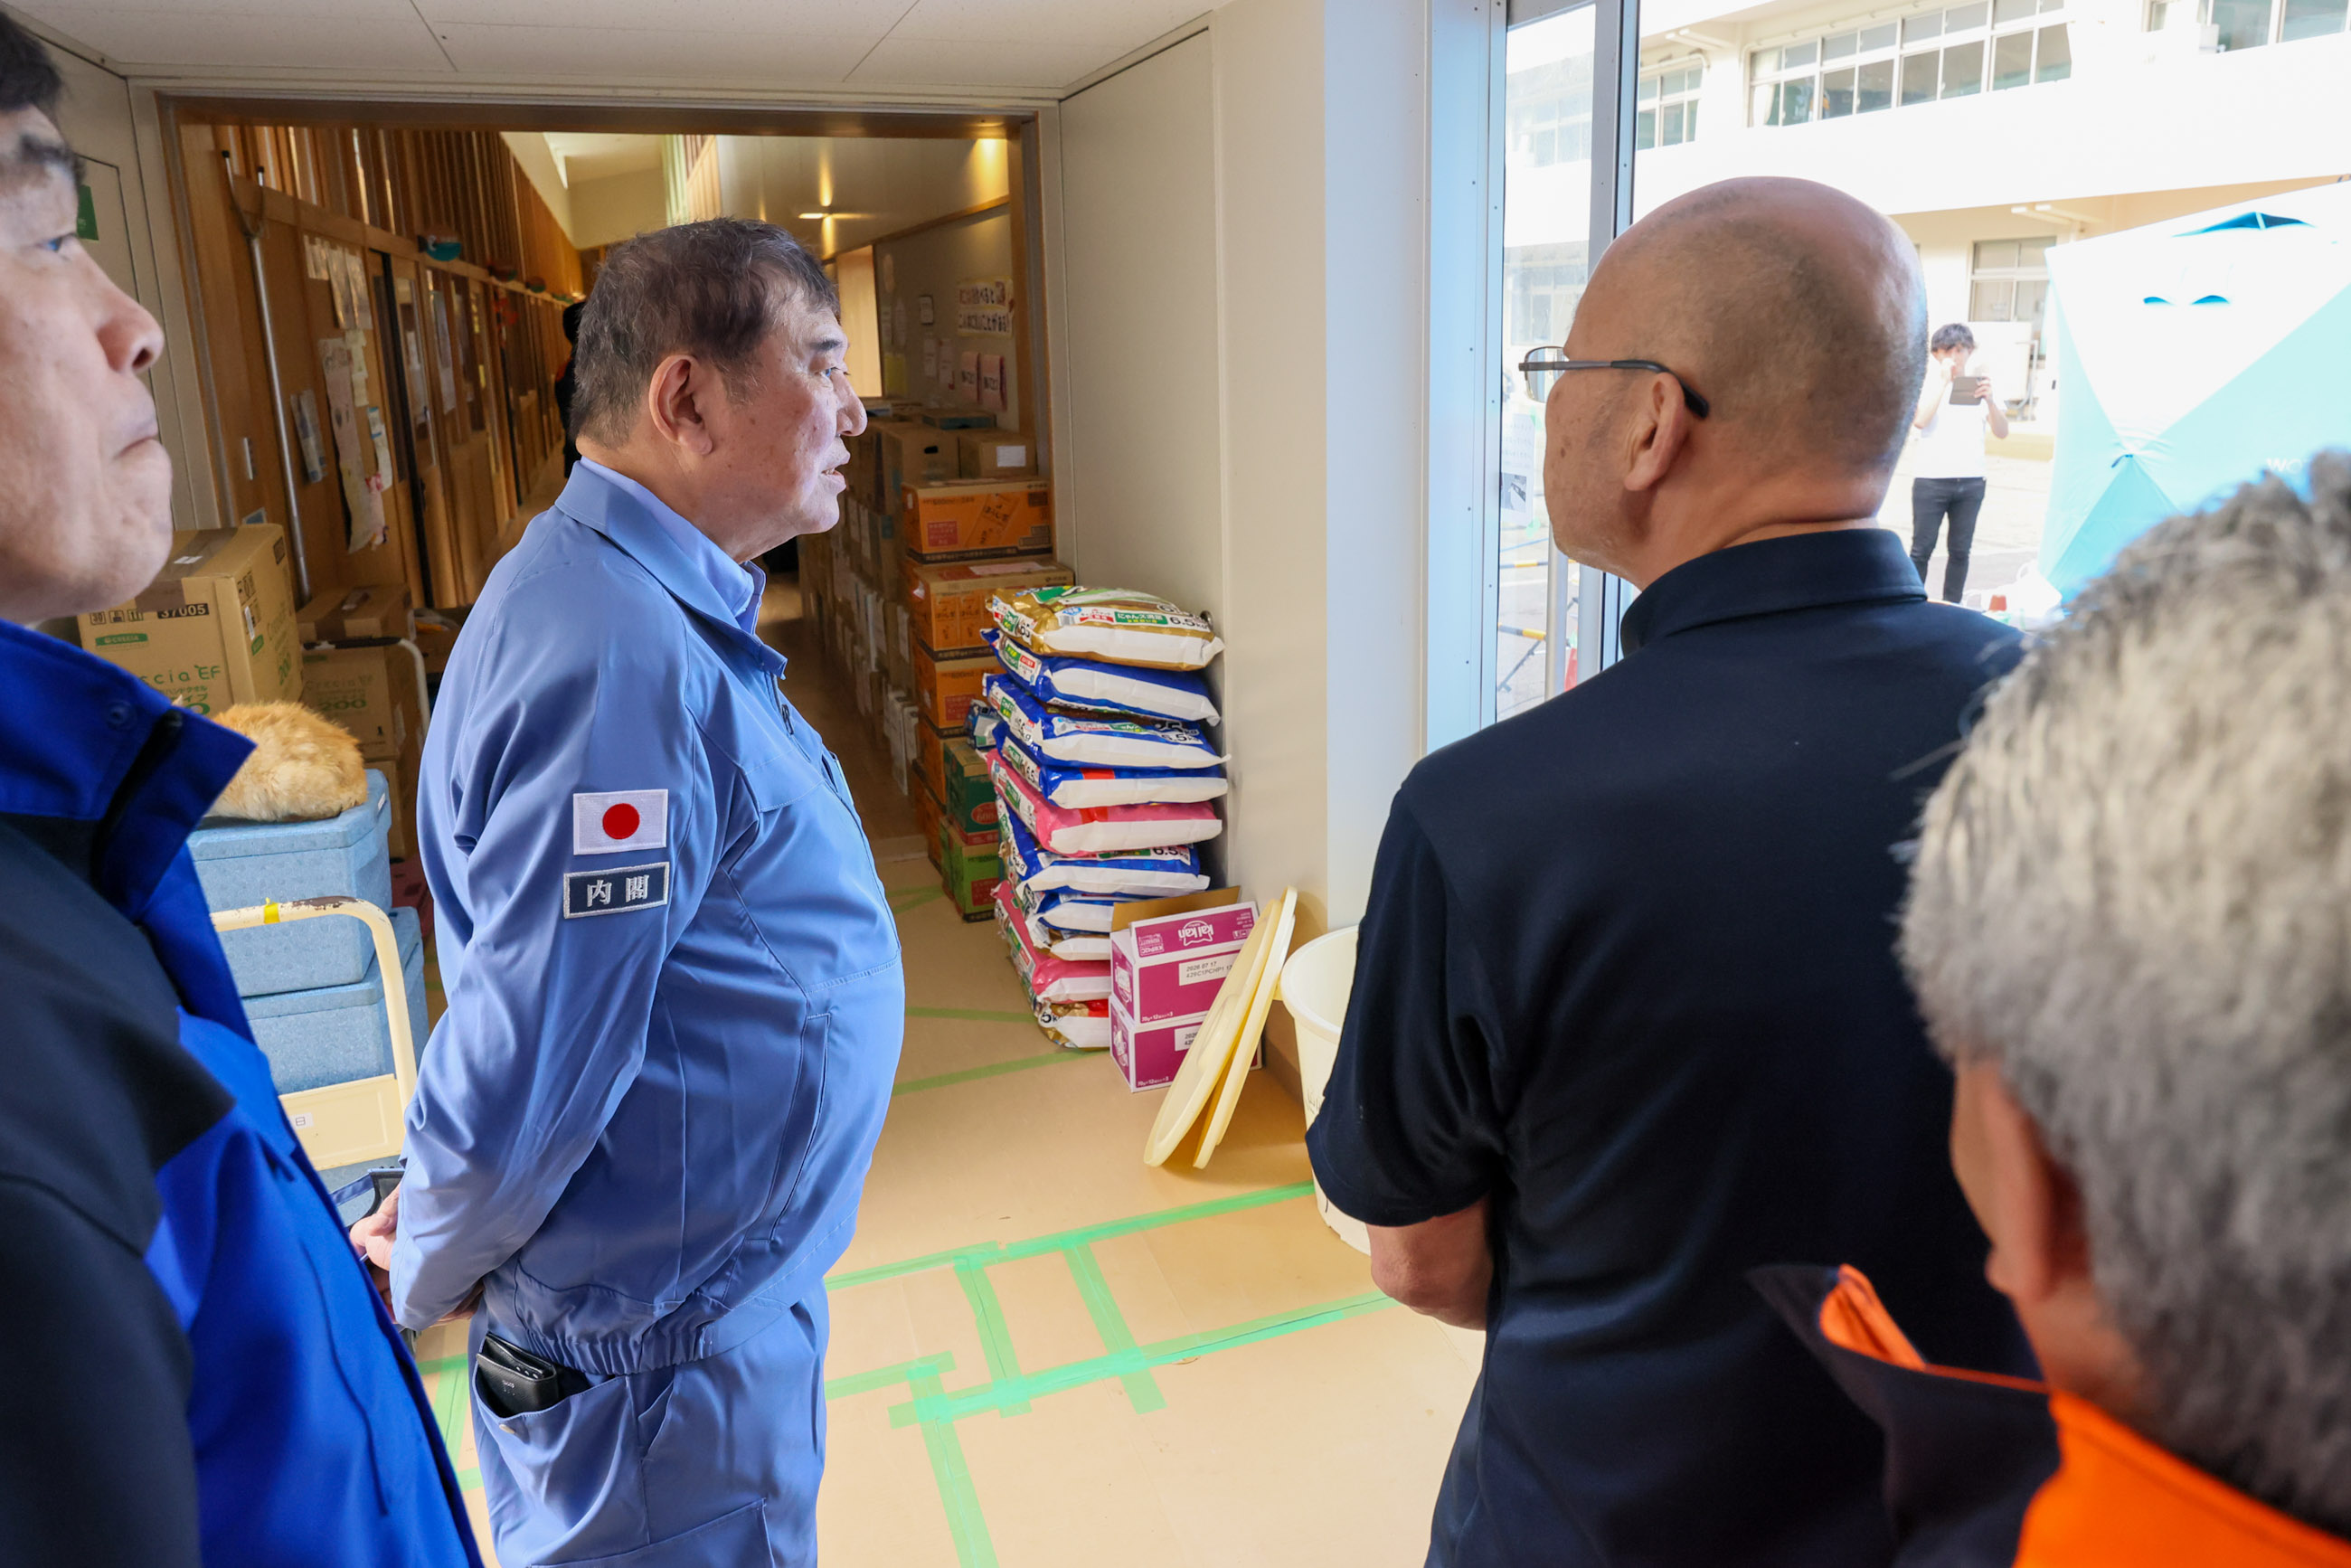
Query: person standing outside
{"x":1627,"y":1020}
{"x":1948,"y":461}
{"x":675,"y":994}
{"x":196,"y":1370}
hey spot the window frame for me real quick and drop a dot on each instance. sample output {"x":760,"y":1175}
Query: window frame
{"x":1773,"y":89}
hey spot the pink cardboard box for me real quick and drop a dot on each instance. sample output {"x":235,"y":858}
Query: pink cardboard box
{"x":1164,"y":973}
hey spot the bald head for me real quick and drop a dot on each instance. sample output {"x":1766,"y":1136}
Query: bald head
{"x":1795,"y":309}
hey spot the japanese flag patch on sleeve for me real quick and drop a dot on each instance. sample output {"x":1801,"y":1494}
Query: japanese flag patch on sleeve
{"x":619,"y":819}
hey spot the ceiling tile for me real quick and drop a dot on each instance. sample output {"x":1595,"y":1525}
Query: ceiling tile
{"x":241,"y":40}
{"x":1117,"y":24}
{"x":978,"y":63}
{"x":67,"y":14}
{"x":671,"y":56}
{"x":766,"y":18}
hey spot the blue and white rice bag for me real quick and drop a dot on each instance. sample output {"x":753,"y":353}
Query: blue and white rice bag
{"x":986,"y":726}
{"x":1118,"y":690}
{"x":1079,"y":789}
{"x":1136,"y":873}
{"x":1092,"y":741}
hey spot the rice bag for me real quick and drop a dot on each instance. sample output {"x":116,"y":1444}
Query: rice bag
{"x":1120,"y":691}
{"x":1162,"y":873}
{"x":1102,"y":830}
{"x":1079,"y":947}
{"x":1086,"y":742}
{"x":1076,"y":789}
{"x":1048,"y":978}
{"x":1114,"y":625}
{"x":1076,"y":1026}
{"x":1058,"y":909}
{"x":987,"y":724}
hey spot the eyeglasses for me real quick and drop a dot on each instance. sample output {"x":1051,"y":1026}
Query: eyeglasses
{"x":1544,"y":368}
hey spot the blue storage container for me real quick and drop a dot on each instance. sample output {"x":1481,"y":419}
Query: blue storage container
{"x":333,"y":1034}
{"x":242,"y":864}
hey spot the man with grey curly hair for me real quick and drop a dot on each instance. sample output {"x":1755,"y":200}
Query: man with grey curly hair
{"x":2130,"y":932}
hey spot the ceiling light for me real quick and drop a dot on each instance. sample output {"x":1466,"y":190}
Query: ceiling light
{"x":811,"y":217}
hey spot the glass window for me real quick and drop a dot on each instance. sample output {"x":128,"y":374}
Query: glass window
{"x":1795,"y":54}
{"x":1842,"y":46}
{"x":1795,"y":102}
{"x":1836,"y":93}
{"x":1919,"y":77}
{"x":1919,"y":28}
{"x":2006,"y":11}
{"x":1878,"y":37}
{"x":1875,"y":90}
{"x":2310,"y":19}
{"x":1670,"y":125}
{"x":2242,"y":24}
{"x":1763,"y":107}
{"x":1960,"y":19}
{"x":2056,"y":54}
{"x":1648,"y":89}
{"x":2012,"y":60}
{"x":1644,"y":131}
{"x":1689,"y":121}
{"x":2034,"y":252}
{"x":1991,"y":299}
{"x":1548,"y":66}
{"x":1992,"y":253}
{"x":1963,"y":71}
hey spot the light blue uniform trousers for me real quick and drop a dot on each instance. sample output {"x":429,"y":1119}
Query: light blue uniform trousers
{"x":706,"y":1464}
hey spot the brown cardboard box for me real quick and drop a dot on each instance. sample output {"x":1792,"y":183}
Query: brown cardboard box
{"x":907,"y":455}
{"x":978,"y":520}
{"x":948,"y":604}
{"x":946,"y":684}
{"x":216,"y":627}
{"x":930,"y":761}
{"x":927,"y":818}
{"x":346,"y":615}
{"x":402,"y":773}
{"x":370,"y":690}
{"x":995,"y":454}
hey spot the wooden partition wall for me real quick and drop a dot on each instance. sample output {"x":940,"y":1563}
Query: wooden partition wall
{"x":412,"y":405}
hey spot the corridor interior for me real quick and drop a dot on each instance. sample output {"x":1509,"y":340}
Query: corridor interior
{"x":1046,"y":1354}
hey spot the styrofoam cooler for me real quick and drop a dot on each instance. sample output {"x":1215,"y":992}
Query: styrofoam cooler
{"x":335,"y":1034}
{"x":242,"y":864}
{"x":1315,"y":984}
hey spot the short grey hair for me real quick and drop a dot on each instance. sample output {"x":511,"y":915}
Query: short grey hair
{"x":2133,"y":894}
{"x":713,"y":290}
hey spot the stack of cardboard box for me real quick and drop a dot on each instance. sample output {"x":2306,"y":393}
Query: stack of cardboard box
{"x":361,"y":669}
{"x":942,"y":511}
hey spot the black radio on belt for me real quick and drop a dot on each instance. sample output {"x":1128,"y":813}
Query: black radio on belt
{"x":513,"y":1382}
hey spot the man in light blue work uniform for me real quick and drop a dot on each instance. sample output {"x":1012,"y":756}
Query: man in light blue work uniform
{"x":675,"y":1001}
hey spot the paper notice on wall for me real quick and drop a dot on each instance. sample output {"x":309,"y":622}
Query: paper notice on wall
{"x":923,"y":311}
{"x":889,"y":273}
{"x":380,"y":440}
{"x":984,"y":307}
{"x":314,"y":260}
{"x":307,"y":435}
{"x":361,"y":393}
{"x":930,"y":358}
{"x":338,"y":280}
{"x":967,"y":378}
{"x":893,"y":375}
{"x":366,"y":525}
{"x":448,"y":359}
{"x":991,"y":380}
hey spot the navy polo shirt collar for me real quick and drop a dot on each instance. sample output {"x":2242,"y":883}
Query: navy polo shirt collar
{"x":1798,"y":571}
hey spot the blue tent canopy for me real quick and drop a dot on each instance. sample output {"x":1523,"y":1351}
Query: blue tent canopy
{"x":2193,"y":355}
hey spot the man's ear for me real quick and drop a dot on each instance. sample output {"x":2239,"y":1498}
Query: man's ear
{"x":674,"y":401}
{"x":1658,"y":428}
{"x":2028,"y":1203}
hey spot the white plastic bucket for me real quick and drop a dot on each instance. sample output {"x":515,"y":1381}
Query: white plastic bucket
{"x":1314,"y":986}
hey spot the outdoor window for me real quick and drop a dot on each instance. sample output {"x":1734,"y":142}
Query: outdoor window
{"x":1551,"y":114}
{"x":1669,"y":112}
{"x":2250,"y":23}
{"x":1951,"y":52}
{"x":2009,"y":280}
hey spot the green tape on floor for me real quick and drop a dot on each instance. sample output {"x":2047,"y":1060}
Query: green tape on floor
{"x":949,"y":1407}
{"x":995,"y":1339}
{"x":884,"y":1376}
{"x":993,"y":1070}
{"x":1142,"y":1388}
{"x":907,"y":898}
{"x":973,"y":1015}
{"x":974,"y":1549}
{"x":1000,"y":1251}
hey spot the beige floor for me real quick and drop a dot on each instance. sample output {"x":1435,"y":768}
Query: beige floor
{"x":1047,"y":1355}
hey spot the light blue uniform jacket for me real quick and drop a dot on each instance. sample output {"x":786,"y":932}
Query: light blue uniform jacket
{"x":644,"y":1125}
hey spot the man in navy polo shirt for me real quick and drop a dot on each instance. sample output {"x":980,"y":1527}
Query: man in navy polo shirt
{"x":1627,"y":1020}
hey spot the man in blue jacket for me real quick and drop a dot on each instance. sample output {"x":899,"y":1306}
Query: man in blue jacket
{"x":196,"y":1370}
{"x":675,"y":996}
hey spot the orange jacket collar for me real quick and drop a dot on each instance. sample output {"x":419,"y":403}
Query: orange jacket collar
{"x":2114,"y":1499}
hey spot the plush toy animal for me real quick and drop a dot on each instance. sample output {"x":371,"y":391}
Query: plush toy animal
{"x":304,"y":767}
